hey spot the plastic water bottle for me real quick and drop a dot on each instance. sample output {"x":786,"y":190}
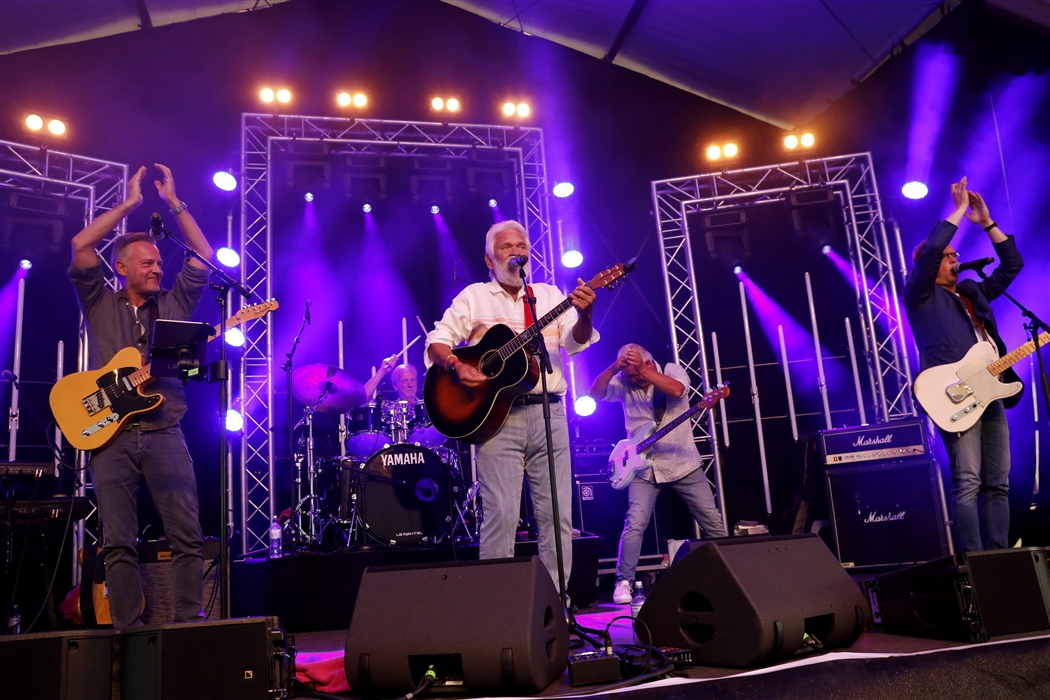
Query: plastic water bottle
{"x":275,"y":540}
{"x":14,"y":623}
{"x":637,"y":600}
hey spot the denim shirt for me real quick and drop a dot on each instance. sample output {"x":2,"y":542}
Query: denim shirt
{"x":114,"y":324}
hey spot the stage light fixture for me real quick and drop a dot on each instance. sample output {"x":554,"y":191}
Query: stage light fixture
{"x":235,"y":337}
{"x":714,"y":152}
{"x":523,"y":110}
{"x":57,"y":127}
{"x":228,"y":257}
{"x":435,"y":209}
{"x":791,"y":142}
{"x":807,"y":140}
{"x":366,"y":208}
{"x":25,"y":264}
{"x":284,"y":96}
{"x":493,"y":204}
{"x":34,"y":122}
{"x":572,"y":258}
{"x":224,"y":180}
{"x":730,"y":150}
{"x":738,"y":270}
{"x":915,"y":189}
{"x":343,"y":99}
{"x":267,"y":95}
{"x":309,"y":196}
{"x":234,"y":421}
{"x":802,"y":139}
{"x":826,"y":250}
{"x":360,"y":99}
{"x":452,"y":104}
{"x":563,"y":189}
{"x":437,"y":104}
{"x":584,"y":406}
{"x":509,"y":108}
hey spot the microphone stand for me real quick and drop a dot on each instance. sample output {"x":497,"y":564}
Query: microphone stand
{"x":218,"y":372}
{"x":1032,"y":329}
{"x":295,"y":478}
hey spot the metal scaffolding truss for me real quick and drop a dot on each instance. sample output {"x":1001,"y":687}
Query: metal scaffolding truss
{"x":872,"y":258}
{"x":265,"y":135}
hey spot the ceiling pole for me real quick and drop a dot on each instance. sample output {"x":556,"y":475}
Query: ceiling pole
{"x":625,"y":29}
{"x":144,"y":21}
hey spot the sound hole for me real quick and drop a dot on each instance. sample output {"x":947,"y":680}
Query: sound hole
{"x":696,"y":602}
{"x":698,"y":634}
{"x":491,"y":363}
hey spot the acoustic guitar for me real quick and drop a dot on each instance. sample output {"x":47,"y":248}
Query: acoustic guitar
{"x":91,"y":407}
{"x":475,"y":415}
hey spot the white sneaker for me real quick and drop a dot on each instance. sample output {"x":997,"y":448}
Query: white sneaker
{"x":623,"y":593}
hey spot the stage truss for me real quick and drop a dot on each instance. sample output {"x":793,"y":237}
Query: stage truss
{"x":100,"y":185}
{"x":872,"y":258}
{"x":265,"y":135}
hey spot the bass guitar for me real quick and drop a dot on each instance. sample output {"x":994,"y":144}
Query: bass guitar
{"x":630,"y":455}
{"x":475,"y":415}
{"x":91,"y":407}
{"x":955,"y":395}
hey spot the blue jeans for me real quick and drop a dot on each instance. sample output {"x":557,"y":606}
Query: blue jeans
{"x":980,"y":464}
{"x":641,"y":498}
{"x":520,"y":448}
{"x":161,"y":457}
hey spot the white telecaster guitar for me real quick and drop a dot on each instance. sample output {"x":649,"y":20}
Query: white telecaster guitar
{"x":955,"y":395}
{"x":630,"y":455}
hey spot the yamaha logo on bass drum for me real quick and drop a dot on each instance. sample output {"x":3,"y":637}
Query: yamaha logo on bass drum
{"x":399,"y":458}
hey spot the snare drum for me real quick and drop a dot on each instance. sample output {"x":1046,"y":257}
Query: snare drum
{"x":406,"y":495}
{"x":366,"y":432}
{"x":420,"y":429}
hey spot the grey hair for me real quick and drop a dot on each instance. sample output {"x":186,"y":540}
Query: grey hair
{"x":401,"y":369}
{"x":646,"y":355}
{"x":495,"y":230}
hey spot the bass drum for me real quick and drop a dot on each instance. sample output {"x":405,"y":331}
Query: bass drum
{"x":406,"y":497}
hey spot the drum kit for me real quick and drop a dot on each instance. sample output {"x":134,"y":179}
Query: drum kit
{"x":397,"y":480}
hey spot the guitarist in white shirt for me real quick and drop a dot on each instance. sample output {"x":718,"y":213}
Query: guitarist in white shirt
{"x":948,"y":317}
{"x":636,"y":381}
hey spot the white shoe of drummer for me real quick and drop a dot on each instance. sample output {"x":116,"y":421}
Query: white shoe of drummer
{"x":623,"y":593}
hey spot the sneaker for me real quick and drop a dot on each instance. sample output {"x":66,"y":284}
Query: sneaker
{"x":623,"y":593}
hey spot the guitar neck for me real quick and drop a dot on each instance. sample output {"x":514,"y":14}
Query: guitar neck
{"x":1006,"y":361}
{"x":533,"y":331}
{"x":651,"y":440}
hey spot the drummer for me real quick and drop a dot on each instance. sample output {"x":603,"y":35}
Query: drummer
{"x":384,"y":368}
{"x":405,"y":381}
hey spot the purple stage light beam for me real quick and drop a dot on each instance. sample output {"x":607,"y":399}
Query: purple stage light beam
{"x":936,"y":75}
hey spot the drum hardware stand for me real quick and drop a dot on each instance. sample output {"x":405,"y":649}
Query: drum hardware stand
{"x":470,"y":505}
{"x":312,"y":535}
{"x":295,"y":459}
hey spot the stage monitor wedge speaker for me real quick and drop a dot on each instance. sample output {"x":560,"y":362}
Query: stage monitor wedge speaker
{"x":746,"y":601}
{"x":238,"y":659}
{"x":71,"y":665}
{"x":969,"y":597}
{"x":485,"y":625}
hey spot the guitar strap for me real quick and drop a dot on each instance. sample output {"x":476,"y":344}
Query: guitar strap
{"x":659,"y":404}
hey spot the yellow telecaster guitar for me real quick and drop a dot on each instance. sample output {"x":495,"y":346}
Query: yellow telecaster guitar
{"x":91,"y":407}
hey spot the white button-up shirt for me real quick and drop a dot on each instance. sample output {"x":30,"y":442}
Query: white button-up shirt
{"x":485,"y":304}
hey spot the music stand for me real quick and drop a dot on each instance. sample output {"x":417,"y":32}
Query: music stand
{"x":177,"y":349}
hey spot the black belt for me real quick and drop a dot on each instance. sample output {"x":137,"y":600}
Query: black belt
{"x":533,"y":399}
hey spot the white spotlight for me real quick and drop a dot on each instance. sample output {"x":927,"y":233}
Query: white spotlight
{"x":915,"y":189}
{"x":25,"y":264}
{"x":584,"y":406}
{"x":228,"y":256}
{"x":572,"y":258}
{"x":563,"y":189}
{"x":235,"y":337}
{"x":309,"y":196}
{"x":234,"y":421}
{"x":366,"y":208}
{"x":435,"y":209}
{"x":224,"y":180}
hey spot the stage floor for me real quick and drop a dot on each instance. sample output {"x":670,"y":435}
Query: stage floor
{"x":878,"y":665}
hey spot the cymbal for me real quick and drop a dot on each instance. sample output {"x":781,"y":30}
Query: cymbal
{"x":338,"y":391}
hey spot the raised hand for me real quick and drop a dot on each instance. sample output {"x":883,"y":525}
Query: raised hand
{"x":978,"y":213}
{"x":166,"y":189}
{"x":134,"y":197}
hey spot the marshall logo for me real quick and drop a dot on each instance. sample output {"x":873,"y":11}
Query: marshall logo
{"x":400,"y":458}
{"x":865,"y":441}
{"x":875,"y":517}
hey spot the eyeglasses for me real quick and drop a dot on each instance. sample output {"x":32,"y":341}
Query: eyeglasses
{"x":951,"y":256}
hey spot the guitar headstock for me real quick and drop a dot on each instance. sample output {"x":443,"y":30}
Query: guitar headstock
{"x":611,"y":276}
{"x":249,"y":313}
{"x":715,"y":395}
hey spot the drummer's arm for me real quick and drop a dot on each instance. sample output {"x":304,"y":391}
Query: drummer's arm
{"x":384,"y":368}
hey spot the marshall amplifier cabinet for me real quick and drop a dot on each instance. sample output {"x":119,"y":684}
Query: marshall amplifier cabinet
{"x":886,"y":513}
{"x":874,"y":443}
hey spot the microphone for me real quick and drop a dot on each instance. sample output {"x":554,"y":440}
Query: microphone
{"x":517,"y":260}
{"x":972,"y":265}
{"x":9,"y":376}
{"x":156,"y":227}
{"x":308,"y":312}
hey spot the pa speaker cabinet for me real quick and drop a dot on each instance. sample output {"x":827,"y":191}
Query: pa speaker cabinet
{"x":887,"y":513}
{"x":971,"y":597}
{"x":744,"y":601}
{"x":485,"y":625}
{"x":58,"y":665}
{"x":240,"y":659}
{"x":155,"y":570}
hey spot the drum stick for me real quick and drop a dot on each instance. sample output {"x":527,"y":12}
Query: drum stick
{"x":405,"y":349}
{"x":421,"y":325}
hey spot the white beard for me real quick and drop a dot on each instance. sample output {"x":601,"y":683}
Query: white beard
{"x":508,"y":276}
